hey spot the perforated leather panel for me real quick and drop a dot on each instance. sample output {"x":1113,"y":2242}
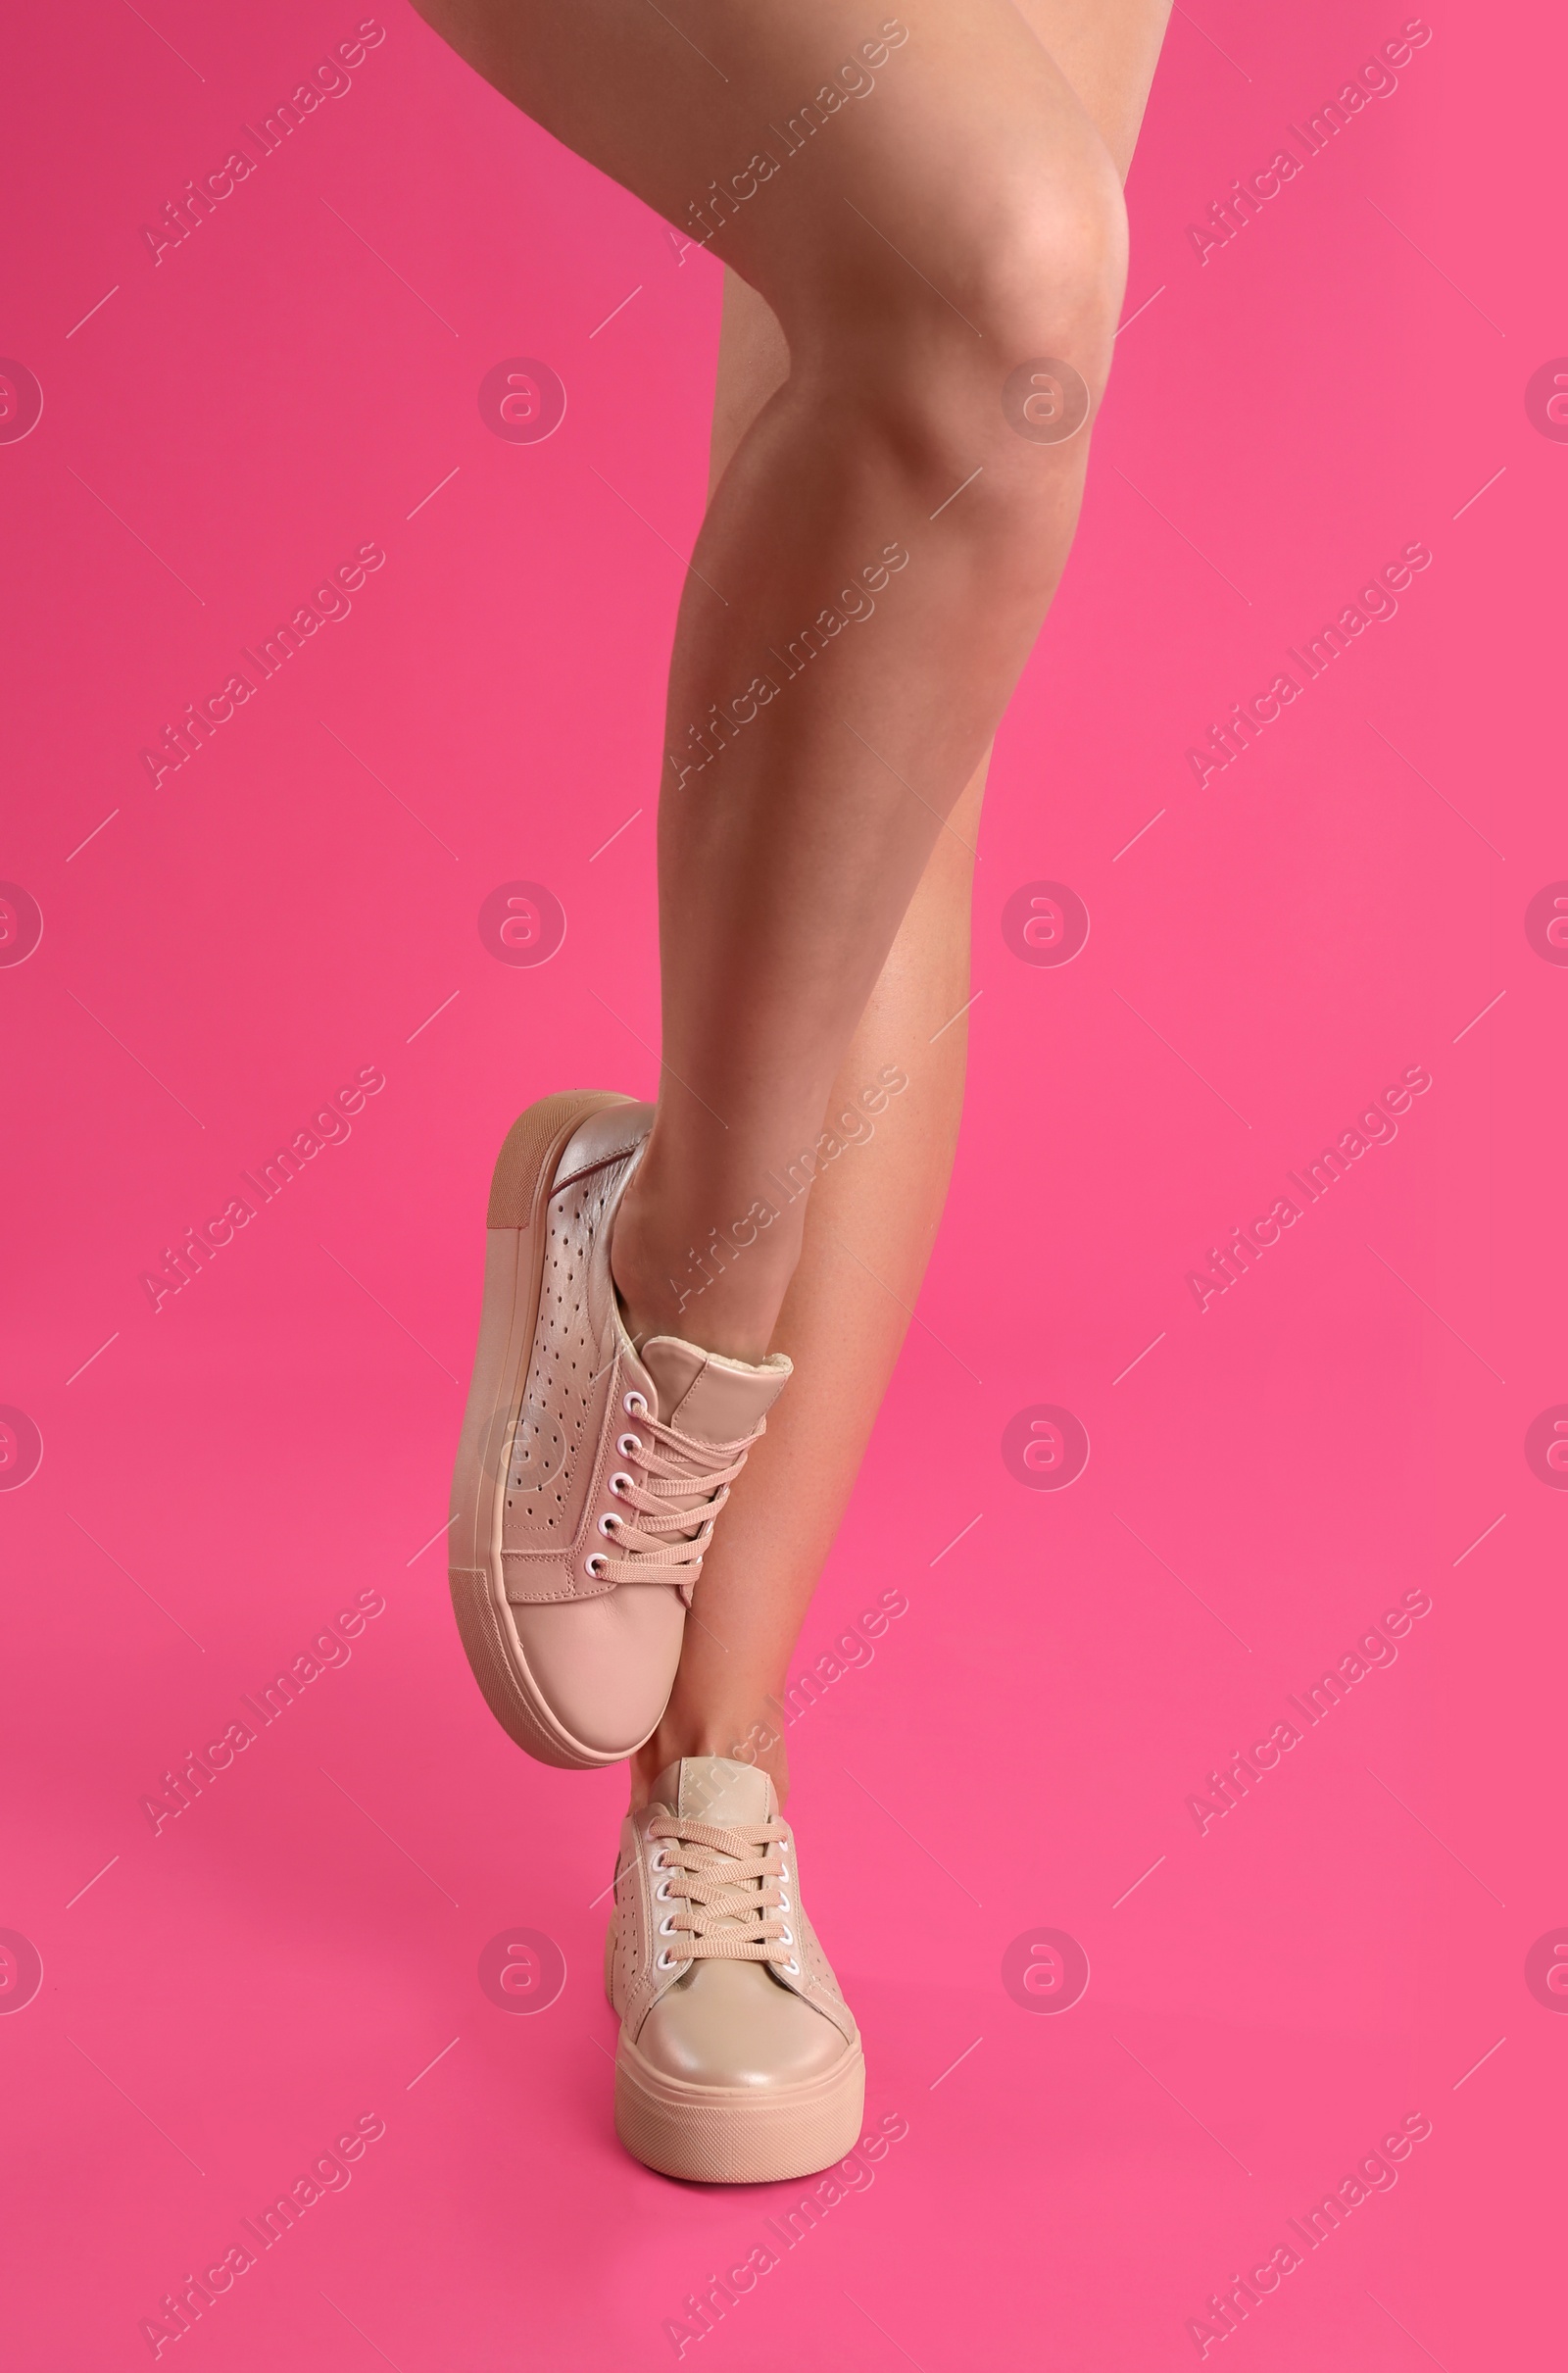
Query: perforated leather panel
{"x":557,"y":1438}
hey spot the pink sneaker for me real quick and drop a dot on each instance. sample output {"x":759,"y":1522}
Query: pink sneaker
{"x":739,"y":2061}
{"x":589,"y":1475}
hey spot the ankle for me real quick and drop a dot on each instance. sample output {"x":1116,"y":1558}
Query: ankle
{"x":710,"y":1290}
{"x":759,"y":1742}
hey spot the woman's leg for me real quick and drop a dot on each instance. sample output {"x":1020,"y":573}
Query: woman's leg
{"x":874,"y":1211}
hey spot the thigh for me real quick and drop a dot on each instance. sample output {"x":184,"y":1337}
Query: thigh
{"x":767,"y":130}
{"x":1107,"y":50}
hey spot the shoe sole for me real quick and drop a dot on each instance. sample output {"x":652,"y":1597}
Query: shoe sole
{"x":732,"y":2134}
{"x":519,"y":1192}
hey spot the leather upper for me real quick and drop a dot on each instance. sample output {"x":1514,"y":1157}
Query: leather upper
{"x":721,"y":2021}
{"x":591,"y":1504}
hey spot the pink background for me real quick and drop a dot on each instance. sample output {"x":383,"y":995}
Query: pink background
{"x":221,"y":2000}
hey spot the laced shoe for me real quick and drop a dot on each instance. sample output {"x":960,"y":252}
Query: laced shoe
{"x":739,"y":2060}
{"x":589,"y":1475}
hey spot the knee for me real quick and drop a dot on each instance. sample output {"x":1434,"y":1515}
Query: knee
{"x":991,"y":355}
{"x":1045,"y":266}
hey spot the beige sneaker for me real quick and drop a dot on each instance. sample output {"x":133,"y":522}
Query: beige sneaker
{"x":739,"y":2061}
{"x":589,"y":1476}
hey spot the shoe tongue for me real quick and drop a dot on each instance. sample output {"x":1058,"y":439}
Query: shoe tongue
{"x":716,"y":1788}
{"x":706,"y":1395}
{"x":731,"y":1796}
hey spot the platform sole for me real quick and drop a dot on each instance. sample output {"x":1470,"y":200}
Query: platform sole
{"x":741,"y":2134}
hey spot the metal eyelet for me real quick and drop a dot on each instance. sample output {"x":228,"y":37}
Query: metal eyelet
{"x":666,"y":1961}
{"x":635,"y":1406}
{"x":786,"y":1936}
{"x":793,"y":1968}
{"x":662,"y":1893}
{"x":784,"y":1904}
{"x":623,"y":1482}
{"x":596,"y":1566}
{"x":607,"y":1523}
{"x":629,"y":1445}
{"x":666,"y":1927}
{"x":658,"y":1862}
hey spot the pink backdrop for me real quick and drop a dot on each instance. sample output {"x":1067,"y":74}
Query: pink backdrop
{"x":1364,"y":1934}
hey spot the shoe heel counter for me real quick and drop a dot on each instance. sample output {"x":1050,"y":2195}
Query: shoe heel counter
{"x":552,"y":1121}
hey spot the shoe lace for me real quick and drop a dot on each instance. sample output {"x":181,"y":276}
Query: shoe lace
{"x":727,"y":1888}
{"x":668,"y":1508}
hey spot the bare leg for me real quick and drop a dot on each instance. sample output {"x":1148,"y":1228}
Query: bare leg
{"x":874,"y":1215}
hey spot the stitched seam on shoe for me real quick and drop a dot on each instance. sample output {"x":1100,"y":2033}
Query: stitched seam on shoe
{"x":578,"y":1176}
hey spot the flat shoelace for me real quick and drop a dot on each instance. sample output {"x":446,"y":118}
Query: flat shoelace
{"x":726,"y":1888}
{"x":685,"y":1484}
